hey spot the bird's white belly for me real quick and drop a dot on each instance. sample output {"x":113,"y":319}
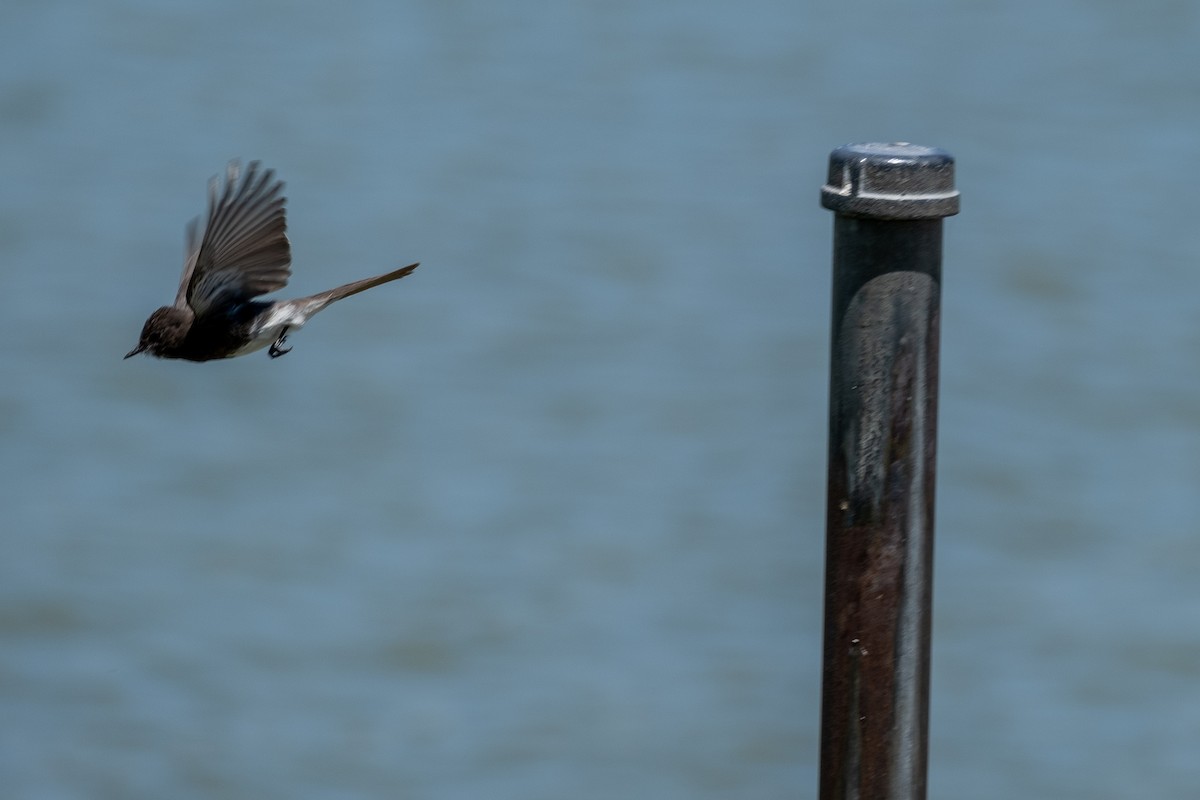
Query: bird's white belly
{"x":283,"y":317}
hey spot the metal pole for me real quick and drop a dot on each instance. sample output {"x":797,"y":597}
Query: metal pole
{"x":889,"y":201}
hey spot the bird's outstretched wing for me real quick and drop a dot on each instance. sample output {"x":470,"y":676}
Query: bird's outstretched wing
{"x":245,"y":250}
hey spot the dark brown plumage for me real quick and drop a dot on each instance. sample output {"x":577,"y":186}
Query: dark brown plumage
{"x":243,"y":253}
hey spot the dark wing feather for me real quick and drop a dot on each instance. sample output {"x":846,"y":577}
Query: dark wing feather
{"x":191,"y":249}
{"x":244,"y":251}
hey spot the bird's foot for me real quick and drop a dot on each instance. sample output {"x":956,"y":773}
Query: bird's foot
{"x":276,"y":349}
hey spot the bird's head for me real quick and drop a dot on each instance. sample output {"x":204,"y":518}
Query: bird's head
{"x":165,"y":329}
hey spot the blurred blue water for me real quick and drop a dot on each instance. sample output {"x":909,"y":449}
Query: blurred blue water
{"x":546,"y":518}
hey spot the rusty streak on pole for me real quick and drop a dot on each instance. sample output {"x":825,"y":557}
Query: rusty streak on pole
{"x":889,"y":201}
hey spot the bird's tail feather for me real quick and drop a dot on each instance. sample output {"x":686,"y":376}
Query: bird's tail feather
{"x":325,"y":298}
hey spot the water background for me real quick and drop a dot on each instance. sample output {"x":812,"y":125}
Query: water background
{"x":545,"y":519}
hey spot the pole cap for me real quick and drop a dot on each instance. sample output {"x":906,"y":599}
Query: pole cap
{"x":891,"y":181}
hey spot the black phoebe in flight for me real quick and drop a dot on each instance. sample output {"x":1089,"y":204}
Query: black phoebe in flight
{"x":244,"y":253}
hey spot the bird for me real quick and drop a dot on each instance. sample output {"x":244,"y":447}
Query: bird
{"x":243,"y":253}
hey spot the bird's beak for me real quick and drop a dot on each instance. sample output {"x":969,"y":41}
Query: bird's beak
{"x":135,"y":350}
